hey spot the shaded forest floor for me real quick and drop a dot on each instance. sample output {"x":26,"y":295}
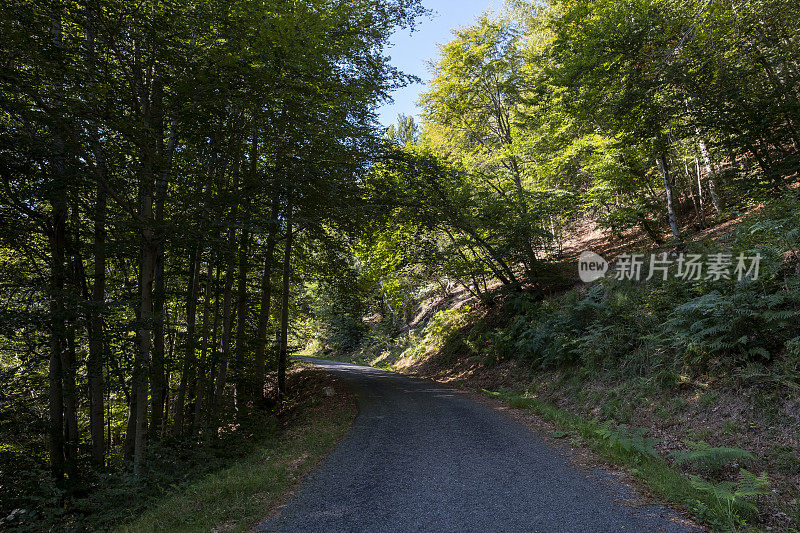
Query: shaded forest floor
{"x":229,"y":484}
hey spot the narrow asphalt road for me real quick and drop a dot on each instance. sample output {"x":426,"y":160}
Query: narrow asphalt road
{"x":421,"y":457}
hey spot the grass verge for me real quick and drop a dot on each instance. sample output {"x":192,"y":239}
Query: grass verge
{"x":723,"y":506}
{"x":238,"y":497}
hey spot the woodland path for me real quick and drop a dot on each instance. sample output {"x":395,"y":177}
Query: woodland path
{"x":421,"y":457}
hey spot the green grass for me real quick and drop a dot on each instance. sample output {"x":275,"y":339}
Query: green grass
{"x":629,"y":448}
{"x":240,"y":496}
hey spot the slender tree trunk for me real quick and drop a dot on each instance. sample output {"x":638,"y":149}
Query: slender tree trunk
{"x":189,"y":360}
{"x":530,"y":254}
{"x":94,"y":363}
{"x":712,"y":185}
{"x":241,"y":313}
{"x":57,"y":241}
{"x":129,"y":444}
{"x":283,"y":338}
{"x":56,"y":399}
{"x":222,"y":370}
{"x":68,"y":362}
{"x":147,"y":265}
{"x":244,"y":266}
{"x":697,"y":201}
{"x":157,"y":374}
{"x":161,"y":169}
{"x":663,"y":166}
{"x":95,"y":330}
{"x":259,"y":370}
{"x":700,"y":204}
{"x":227,"y":297}
{"x":202,"y":373}
{"x":142,"y":356}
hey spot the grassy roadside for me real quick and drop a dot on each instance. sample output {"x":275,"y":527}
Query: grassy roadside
{"x":238,"y":497}
{"x":723,"y":506}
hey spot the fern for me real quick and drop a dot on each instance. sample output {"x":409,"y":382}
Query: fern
{"x":628,"y":439}
{"x":732,"y":503}
{"x":704,"y":456}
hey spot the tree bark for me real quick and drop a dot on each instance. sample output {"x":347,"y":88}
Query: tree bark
{"x":68,"y":362}
{"x":701,"y":206}
{"x":189,"y":360}
{"x":697,"y":203}
{"x":57,"y":240}
{"x":161,"y":168}
{"x":259,"y":367}
{"x":241,"y":313}
{"x":157,"y":373}
{"x":227,"y":323}
{"x":202,"y":381}
{"x":94,"y":363}
{"x":147,"y":264}
{"x":283,"y":335}
{"x":712,"y":185}
{"x":663,"y":166}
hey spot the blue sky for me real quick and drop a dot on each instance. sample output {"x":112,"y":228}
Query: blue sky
{"x":410,"y":52}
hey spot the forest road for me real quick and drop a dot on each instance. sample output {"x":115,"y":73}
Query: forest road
{"x":422,"y":457}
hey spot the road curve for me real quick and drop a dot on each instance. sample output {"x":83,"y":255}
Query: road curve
{"x":421,"y":457}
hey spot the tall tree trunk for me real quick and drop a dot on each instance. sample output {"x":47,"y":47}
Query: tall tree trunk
{"x":244,"y":267}
{"x":241,"y":313}
{"x":57,"y":236}
{"x":162,"y":163}
{"x":94,"y":363}
{"x":202,"y":372}
{"x":283,"y":354}
{"x":147,"y":265}
{"x":663,"y":166}
{"x":142,"y":356}
{"x":222,"y":370}
{"x":68,"y":362}
{"x":227,"y":297}
{"x":259,"y":369}
{"x":157,"y":372}
{"x":189,"y":360}
{"x":56,"y":403}
{"x":528,"y":251}
{"x":129,"y":444}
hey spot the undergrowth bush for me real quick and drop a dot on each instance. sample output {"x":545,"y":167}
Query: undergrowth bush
{"x":711,"y":458}
{"x":442,"y":331}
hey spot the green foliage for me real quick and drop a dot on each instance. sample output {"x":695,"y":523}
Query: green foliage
{"x":711,"y":458}
{"x":732,"y":503}
{"x":441,"y":330}
{"x":630,"y":440}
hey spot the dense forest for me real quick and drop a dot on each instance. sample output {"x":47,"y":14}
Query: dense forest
{"x":192,"y":191}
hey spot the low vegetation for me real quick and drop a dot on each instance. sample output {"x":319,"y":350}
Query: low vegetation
{"x":229,"y":484}
{"x":246,"y":493}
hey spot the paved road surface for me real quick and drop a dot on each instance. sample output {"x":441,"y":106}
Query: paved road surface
{"x":421,"y":457}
